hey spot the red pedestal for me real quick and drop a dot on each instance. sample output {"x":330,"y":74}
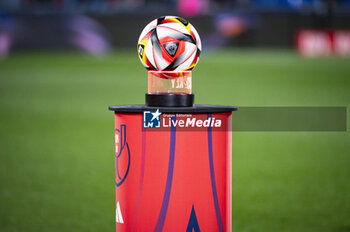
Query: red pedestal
{"x":173,"y":178}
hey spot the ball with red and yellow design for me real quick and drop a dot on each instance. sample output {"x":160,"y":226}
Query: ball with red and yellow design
{"x":169,"y":43}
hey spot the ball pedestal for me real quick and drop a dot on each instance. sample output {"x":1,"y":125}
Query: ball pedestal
{"x":172,"y":160}
{"x":169,"y":89}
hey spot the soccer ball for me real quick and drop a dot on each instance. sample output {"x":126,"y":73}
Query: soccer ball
{"x":169,"y":43}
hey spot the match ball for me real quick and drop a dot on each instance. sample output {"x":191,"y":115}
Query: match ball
{"x":169,"y":43}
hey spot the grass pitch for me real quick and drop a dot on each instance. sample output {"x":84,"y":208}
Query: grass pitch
{"x":56,"y":139}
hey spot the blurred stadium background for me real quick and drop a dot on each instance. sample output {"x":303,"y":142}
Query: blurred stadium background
{"x":62,"y":62}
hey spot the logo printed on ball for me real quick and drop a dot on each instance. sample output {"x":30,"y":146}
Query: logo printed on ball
{"x":141,"y":49}
{"x":171,"y":48}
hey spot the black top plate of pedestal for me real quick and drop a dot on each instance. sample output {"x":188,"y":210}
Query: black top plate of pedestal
{"x":192,"y":110}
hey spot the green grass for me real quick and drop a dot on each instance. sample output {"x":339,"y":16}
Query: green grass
{"x":56,"y":139}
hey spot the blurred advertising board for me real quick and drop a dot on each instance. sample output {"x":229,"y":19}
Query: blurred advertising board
{"x":318,"y":43}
